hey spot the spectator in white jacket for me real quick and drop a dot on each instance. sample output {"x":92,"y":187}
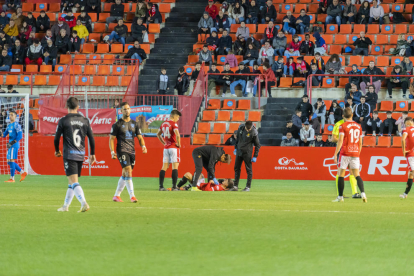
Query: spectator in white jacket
{"x":243,"y":31}
{"x":307,"y":135}
{"x":266,"y":52}
{"x":376,"y":13}
{"x":236,"y":14}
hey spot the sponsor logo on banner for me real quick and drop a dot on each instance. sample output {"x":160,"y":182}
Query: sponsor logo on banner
{"x":97,"y":165}
{"x":95,"y":120}
{"x":333,"y":167}
{"x":290,"y":165}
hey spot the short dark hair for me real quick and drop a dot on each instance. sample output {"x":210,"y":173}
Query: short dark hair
{"x":405,"y":112}
{"x":302,"y":10}
{"x":319,"y":100}
{"x":389,"y":112}
{"x":248,"y":124}
{"x":288,"y":133}
{"x":181,"y":69}
{"x":162,"y":68}
{"x":375,"y":112}
{"x":72,"y":103}
{"x":36,"y":41}
{"x":75,"y":32}
{"x":123,"y":103}
{"x":297,"y":111}
{"x":317,"y":54}
{"x":198,"y":63}
{"x":408,"y":119}
{"x":230,"y":183}
{"x":13,"y":111}
{"x":9,"y":86}
{"x":266,"y":64}
{"x":227,"y":158}
{"x":175,"y":112}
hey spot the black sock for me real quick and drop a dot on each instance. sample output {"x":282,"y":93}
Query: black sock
{"x":162,"y":176}
{"x":360,"y":184}
{"x":341,"y":186}
{"x":174,"y":177}
{"x":409,"y":184}
{"x":182,"y":182}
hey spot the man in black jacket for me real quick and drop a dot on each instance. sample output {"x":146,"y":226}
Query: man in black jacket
{"x":136,"y":53}
{"x":268,"y":12}
{"x":371,"y":97}
{"x":182,"y":82}
{"x":207,"y":157}
{"x":138,"y":31}
{"x":118,"y":34}
{"x":18,"y":52}
{"x":247,"y":137}
{"x":34,"y":53}
{"x":362,"y":113}
{"x":240,"y":80}
{"x":212,"y":79}
{"x":116,"y":13}
{"x":47,"y":37}
{"x":374,"y":124}
{"x":50,"y":53}
{"x":305,"y":107}
{"x":224,"y":44}
{"x":362,"y":45}
{"x":5,"y":61}
{"x":86,"y":20}
{"x":62,"y":41}
{"x":389,"y":125}
{"x":376,"y":81}
{"x":4,"y":39}
{"x":42,"y":22}
{"x":353,"y":79}
{"x":225,"y":80}
{"x":290,"y":127}
{"x":316,"y":80}
{"x":93,"y":6}
{"x":74,"y":43}
{"x":302,"y":22}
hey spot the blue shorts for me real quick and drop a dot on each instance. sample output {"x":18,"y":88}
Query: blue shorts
{"x":12,"y":153}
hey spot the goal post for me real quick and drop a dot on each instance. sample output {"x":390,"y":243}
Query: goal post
{"x":20,"y":104}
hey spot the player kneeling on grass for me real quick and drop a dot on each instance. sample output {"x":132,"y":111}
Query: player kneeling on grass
{"x":350,"y":140}
{"x":74,"y":128}
{"x":14,"y":130}
{"x":407,"y":143}
{"x":224,"y":184}
{"x":125,"y":130}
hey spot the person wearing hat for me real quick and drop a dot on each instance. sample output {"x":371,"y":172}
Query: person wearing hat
{"x":320,"y":44}
{"x":212,"y":9}
{"x":42,"y":22}
{"x":305,"y":107}
{"x":205,"y":24}
{"x":59,"y":26}
{"x":307,"y":135}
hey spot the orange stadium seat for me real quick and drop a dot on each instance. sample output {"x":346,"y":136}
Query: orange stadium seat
{"x":88,"y":48}
{"x":332,"y":29}
{"x":25,"y":80}
{"x":328,"y":82}
{"x":401,"y":106}
{"x":238,"y":116}
{"x":45,"y":69}
{"x":76,"y":69}
{"x":11,"y":79}
{"x":204,"y":127}
{"x":209,"y":115}
{"x":233,"y":127}
{"x":199,"y":139}
{"x":98,"y":81}
{"x":386,"y":106}
{"x":53,"y":80}
{"x":223,"y":116}
{"x":27,"y":7}
{"x":369,"y":141}
{"x":214,"y":139}
{"x":243,"y":104}
{"x":60,"y":69}
{"x":386,"y":28}
{"x":382,"y":39}
{"x":328,"y":129}
{"x":384,"y":141}
{"x":229,"y":104}
{"x":219,"y":128}
{"x":355,"y":60}
{"x":32,"y":68}
{"x":255,"y":116}
{"x":125,"y":80}
{"x":154,"y":28}
{"x":112,"y":80}
{"x":55,"y":7}
{"x":40,"y":80}
{"x":35,"y":113}
{"x":83,"y":80}
{"x":340,"y":39}
{"x":213,"y":104}
{"x":396,"y":142}
{"x":65,"y":59}
{"x":89,"y":70}
{"x":346,"y":29}
{"x":285,"y":82}
{"x":103,"y":48}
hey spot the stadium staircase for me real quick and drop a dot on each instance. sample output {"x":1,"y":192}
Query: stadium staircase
{"x":173,"y":45}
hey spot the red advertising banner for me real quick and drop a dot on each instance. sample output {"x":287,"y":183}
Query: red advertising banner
{"x":101,"y":119}
{"x":377,"y":164}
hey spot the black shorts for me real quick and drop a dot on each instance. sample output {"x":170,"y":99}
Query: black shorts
{"x":72,"y":167}
{"x":126,"y":159}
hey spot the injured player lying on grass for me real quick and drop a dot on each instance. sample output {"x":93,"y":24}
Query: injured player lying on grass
{"x":224,"y":184}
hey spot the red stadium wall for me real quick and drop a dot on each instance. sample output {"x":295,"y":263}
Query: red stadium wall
{"x":378,"y":164}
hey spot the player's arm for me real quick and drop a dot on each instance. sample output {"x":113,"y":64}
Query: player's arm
{"x":403,"y":142}
{"x":58,"y":133}
{"x":111,"y":146}
{"x":159,"y":133}
{"x":360,"y":144}
{"x":177,"y":134}
{"x":338,"y":146}
{"x":142,"y":143}
{"x":91,"y":139}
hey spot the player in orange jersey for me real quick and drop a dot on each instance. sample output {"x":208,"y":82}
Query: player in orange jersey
{"x":172,"y":145}
{"x":407,"y":143}
{"x":350,"y":140}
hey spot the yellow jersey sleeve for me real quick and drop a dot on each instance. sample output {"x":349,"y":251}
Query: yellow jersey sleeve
{"x":335,"y":130}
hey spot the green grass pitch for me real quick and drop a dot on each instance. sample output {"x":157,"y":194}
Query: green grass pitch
{"x":279,"y":228}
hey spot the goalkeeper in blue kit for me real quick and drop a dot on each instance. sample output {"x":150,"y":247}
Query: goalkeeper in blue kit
{"x":14,"y":131}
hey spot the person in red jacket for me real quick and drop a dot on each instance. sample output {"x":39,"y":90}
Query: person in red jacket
{"x":70,"y":19}
{"x":292,"y":49}
{"x":267,"y":78}
{"x":212,"y":9}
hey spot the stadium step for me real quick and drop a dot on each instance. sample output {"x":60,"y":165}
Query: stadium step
{"x":173,"y":38}
{"x":178,"y":28}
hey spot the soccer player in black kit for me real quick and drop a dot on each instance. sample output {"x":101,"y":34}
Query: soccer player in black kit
{"x":125,"y":130}
{"x":74,"y":128}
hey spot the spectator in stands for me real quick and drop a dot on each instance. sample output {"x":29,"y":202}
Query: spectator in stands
{"x":319,"y":62}
{"x":240,"y":80}
{"x":330,"y":142}
{"x":225,"y":79}
{"x":266,"y":54}
{"x":5,"y":61}
{"x":316,"y":80}
{"x":30,"y":20}
{"x":67,"y":5}
{"x":349,"y":13}
{"x":349,"y":103}
{"x":251,"y":55}
{"x":269,"y":12}
{"x":74,"y":43}
{"x":353,"y":79}
{"x":118,"y":34}
{"x":236,"y":13}
{"x":293,"y":129}
{"x":239,"y":46}
{"x":43,"y":22}
{"x":307,"y":46}
{"x":371,"y":97}
{"x":396,"y":80}
{"x":302,"y":22}
{"x":11,"y":30}
{"x":62,"y":42}
{"x":388,"y":125}
{"x":162,"y":85}
{"x":373,"y":124}
{"x":400,"y":122}
{"x":212,"y":9}
{"x":335,"y":113}
{"x":253,"y":13}
{"x":362,"y":44}
{"x":224,"y":43}
{"x":4,"y":39}
{"x":18,"y":17}
{"x":318,"y":142}
{"x":289,"y":141}
{"x":205,"y":55}
{"x":297,"y":118}
{"x":205,"y":24}
{"x":182,"y":82}
{"x":302,"y":68}
{"x":138,"y":32}
{"x":25,"y":31}
{"x":362,"y":113}
{"x":316,"y":125}
{"x":319,"y":111}
{"x":354,"y":94}
{"x":81,"y":30}
{"x":212,"y":79}
{"x":305,"y":107}
{"x":11,"y":5}
{"x":231,"y":59}
{"x":320,"y":45}
{"x":269,"y":33}
{"x":94,"y":6}
{"x":334,"y":12}
{"x":252,"y":40}
{"x":363,"y":13}
{"x":212,"y":41}
{"x":221,"y":23}
{"x":141,"y":11}
{"x":307,"y":135}
{"x":34,"y":53}
{"x":376,"y":13}
{"x":278,"y":67}
{"x":289,"y":23}
{"x":289,"y":68}
{"x":407,"y":65}
{"x":50,"y":53}
{"x":376,"y":81}
{"x":18,"y":52}
{"x":268,"y":76}
{"x":4,"y":20}
{"x":47,"y":37}
{"x":403,"y":47}
{"x":196,"y":72}
{"x":243,"y":31}
{"x":292,"y":49}
{"x":136,"y":53}
{"x":59,"y":26}
{"x":116,"y":13}
{"x":279,"y":44}
{"x":231,"y":141}
{"x":333,"y":65}
{"x":79,"y":5}
{"x":70,"y":19}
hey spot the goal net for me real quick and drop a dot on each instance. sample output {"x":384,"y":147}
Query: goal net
{"x":20,"y":104}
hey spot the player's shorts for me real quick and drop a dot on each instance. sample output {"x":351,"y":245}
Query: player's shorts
{"x":126,"y":159}
{"x":345,"y":161}
{"x":171,"y":155}
{"x":12,"y":153}
{"x":410,"y":162}
{"x":72,"y":167}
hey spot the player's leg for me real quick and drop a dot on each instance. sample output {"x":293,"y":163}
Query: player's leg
{"x":354,"y":185}
{"x":129,"y":184}
{"x":175,"y":161}
{"x":342,"y":165}
{"x":237,"y":170}
{"x":9,"y":158}
{"x":165,"y":166}
{"x":354,"y":166}
{"x":78,"y":189}
{"x":198,"y":163}
{"x":122,"y":158}
{"x":410,"y":162}
{"x":187,"y":177}
{"x":248,"y":164}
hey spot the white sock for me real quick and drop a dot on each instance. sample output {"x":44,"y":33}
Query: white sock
{"x":363,"y":195}
{"x":79,"y":193}
{"x":121,"y":186}
{"x":12,"y":177}
{"x":69,"y":196}
{"x":130,"y":186}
